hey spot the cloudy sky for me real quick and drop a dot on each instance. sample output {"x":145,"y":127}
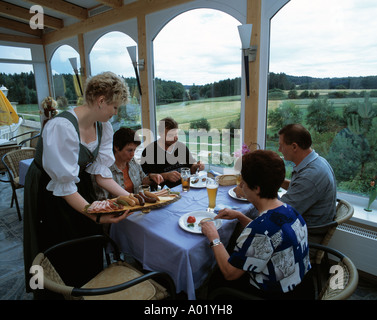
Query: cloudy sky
{"x":203,"y":46}
{"x":339,"y":40}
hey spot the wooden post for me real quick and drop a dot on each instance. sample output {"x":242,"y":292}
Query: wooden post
{"x":251,"y":103}
{"x":82,"y":71}
{"x":144,"y":99}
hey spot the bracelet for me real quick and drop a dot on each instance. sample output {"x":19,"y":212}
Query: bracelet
{"x":98,"y":218}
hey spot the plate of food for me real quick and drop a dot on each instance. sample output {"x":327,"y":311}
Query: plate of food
{"x":234,"y":195}
{"x":191,"y":221}
{"x":198,"y":182}
{"x":144,"y":201}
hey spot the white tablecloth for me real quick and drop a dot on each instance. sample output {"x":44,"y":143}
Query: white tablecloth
{"x":160,"y":244}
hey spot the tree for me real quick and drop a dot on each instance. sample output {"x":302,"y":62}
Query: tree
{"x":200,"y":124}
{"x":286,"y":113}
{"x":347,"y":155}
{"x":321,"y":116}
{"x":292,"y":94}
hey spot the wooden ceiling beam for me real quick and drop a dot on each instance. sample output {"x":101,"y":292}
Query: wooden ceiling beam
{"x":14,"y":11}
{"x":64,"y":7}
{"x":19,"y":27}
{"x":22,"y":39}
{"x":112,"y":3}
{"x":129,"y":11}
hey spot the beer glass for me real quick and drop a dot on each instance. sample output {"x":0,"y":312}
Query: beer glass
{"x":185,"y":178}
{"x":144,"y":187}
{"x":212,"y":187}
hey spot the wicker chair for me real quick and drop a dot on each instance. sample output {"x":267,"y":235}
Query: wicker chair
{"x":344,"y":212}
{"x":4,"y":150}
{"x":11,"y":162}
{"x":118,"y":281}
{"x":32,"y":141}
{"x":33,"y":135}
{"x":339,"y":281}
{"x":335,"y":282}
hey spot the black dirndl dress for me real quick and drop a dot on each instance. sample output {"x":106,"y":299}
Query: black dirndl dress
{"x":49,"y":220}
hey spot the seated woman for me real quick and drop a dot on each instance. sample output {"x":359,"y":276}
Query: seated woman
{"x":271,"y":256}
{"x":126,"y":171}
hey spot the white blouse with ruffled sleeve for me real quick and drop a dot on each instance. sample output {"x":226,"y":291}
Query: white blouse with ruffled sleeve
{"x":61,"y":147}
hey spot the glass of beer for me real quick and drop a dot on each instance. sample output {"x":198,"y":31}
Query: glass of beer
{"x":185,"y":178}
{"x":144,"y":187}
{"x":212,"y":187}
{"x":238,"y":176}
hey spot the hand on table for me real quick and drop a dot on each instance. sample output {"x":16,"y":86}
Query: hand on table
{"x":173,"y":176}
{"x":228,"y":214}
{"x":197,"y":166}
{"x":238,"y":191}
{"x":209,"y":230}
{"x":157,"y":178}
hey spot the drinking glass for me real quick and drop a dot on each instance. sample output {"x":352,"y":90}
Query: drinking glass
{"x":212,"y":187}
{"x":185,"y":178}
{"x":238,"y":176}
{"x":144,"y":187}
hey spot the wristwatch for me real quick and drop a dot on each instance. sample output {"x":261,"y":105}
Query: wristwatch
{"x":215,"y":243}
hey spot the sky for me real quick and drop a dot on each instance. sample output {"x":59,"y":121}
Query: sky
{"x":202,"y":46}
{"x":325,"y":43}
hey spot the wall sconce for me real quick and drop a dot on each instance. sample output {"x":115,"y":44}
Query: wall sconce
{"x":132,"y":54}
{"x":249,"y":51}
{"x":73,"y":62}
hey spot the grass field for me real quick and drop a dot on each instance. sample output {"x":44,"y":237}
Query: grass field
{"x":218,"y":111}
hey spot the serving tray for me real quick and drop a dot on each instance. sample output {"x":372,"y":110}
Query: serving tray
{"x":164,"y":201}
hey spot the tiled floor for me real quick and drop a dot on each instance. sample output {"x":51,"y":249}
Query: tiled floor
{"x":12,"y":285}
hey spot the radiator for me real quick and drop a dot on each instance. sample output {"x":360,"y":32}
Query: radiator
{"x":359,"y":244}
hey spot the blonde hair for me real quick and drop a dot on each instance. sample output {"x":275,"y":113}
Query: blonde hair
{"x":109,"y":85}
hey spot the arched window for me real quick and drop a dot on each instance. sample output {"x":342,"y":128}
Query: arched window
{"x":65,"y":84}
{"x":110,"y":54}
{"x":323,"y":70}
{"x":197,"y":70}
{"x":17,"y":75}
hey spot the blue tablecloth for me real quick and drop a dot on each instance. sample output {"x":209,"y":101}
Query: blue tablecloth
{"x":24,"y":166}
{"x":160,"y":244}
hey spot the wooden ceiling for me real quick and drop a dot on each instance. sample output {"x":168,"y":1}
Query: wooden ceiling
{"x":15,"y":16}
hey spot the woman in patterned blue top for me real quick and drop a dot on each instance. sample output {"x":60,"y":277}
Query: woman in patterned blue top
{"x":271,"y":256}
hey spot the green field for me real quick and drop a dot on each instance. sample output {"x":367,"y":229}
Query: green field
{"x":28,"y":111}
{"x":218,"y":111}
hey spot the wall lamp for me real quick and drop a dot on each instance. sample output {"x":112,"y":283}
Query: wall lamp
{"x":73,"y":62}
{"x":4,"y":90}
{"x":140,"y":64}
{"x":249,"y":51}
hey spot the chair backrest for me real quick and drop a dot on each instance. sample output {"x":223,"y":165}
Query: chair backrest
{"x":11,"y":160}
{"x":71,"y":253}
{"x":344,"y":212}
{"x":342,"y":277}
{"x":4,"y":150}
{"x":32,"y":141}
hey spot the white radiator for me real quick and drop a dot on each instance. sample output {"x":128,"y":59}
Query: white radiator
{"x":359,"y":244}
